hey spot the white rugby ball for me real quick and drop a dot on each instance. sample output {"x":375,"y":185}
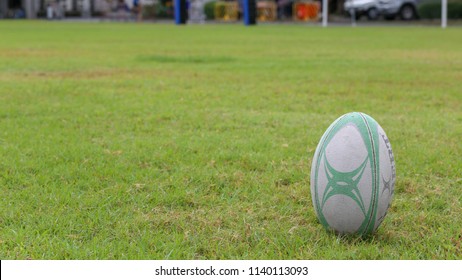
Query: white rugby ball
{"x":353,"y":175}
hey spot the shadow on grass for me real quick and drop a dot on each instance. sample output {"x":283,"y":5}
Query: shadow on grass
{"x":353,"y":239}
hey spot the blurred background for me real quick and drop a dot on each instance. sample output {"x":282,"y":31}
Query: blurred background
{"x":339,"y":11}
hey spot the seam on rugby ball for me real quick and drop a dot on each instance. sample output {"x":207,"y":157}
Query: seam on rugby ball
{"x":375,"y":187}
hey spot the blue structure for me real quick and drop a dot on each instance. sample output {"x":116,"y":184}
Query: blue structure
{"x":180,"y":12}
{"x":250,"y":12}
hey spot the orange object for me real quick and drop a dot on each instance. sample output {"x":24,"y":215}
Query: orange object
{"x":304,"y":11}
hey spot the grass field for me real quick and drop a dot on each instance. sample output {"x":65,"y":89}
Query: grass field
{"x":152,"y":141}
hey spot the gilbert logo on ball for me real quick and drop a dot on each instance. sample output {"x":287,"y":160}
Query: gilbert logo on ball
{"x":353,"y":175}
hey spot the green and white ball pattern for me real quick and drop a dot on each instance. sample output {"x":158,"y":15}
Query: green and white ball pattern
{"x":353,"y":175}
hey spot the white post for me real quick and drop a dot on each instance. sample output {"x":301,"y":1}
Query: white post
{"x":29,"y":7}
{"x":68,"y":5}
{"x":444,"y":13}
{"x":49,"y":12}
{"x":86,"y":9}
{"x":324,"y":12}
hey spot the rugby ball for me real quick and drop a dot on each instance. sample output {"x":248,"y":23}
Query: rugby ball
{"x":353,"y":175}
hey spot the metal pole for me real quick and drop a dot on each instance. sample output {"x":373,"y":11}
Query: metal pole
{"x":250,"y":15}
{"x":180,"y":12}
{"x":324,"y":12}
{"x":444,"y":13}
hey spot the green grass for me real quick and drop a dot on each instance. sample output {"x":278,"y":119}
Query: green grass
{"x":152,"y":141}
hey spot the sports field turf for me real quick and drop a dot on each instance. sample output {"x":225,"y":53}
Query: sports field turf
{"x":153,"y":141}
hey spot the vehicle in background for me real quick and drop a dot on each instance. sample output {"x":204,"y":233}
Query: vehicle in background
{"x":359,"y":8}
{"x":404,"y":9}
{"x":390,"y":9}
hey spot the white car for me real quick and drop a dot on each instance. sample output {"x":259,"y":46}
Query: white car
{"x":369,"y":8}
{"x":405,"y":9}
